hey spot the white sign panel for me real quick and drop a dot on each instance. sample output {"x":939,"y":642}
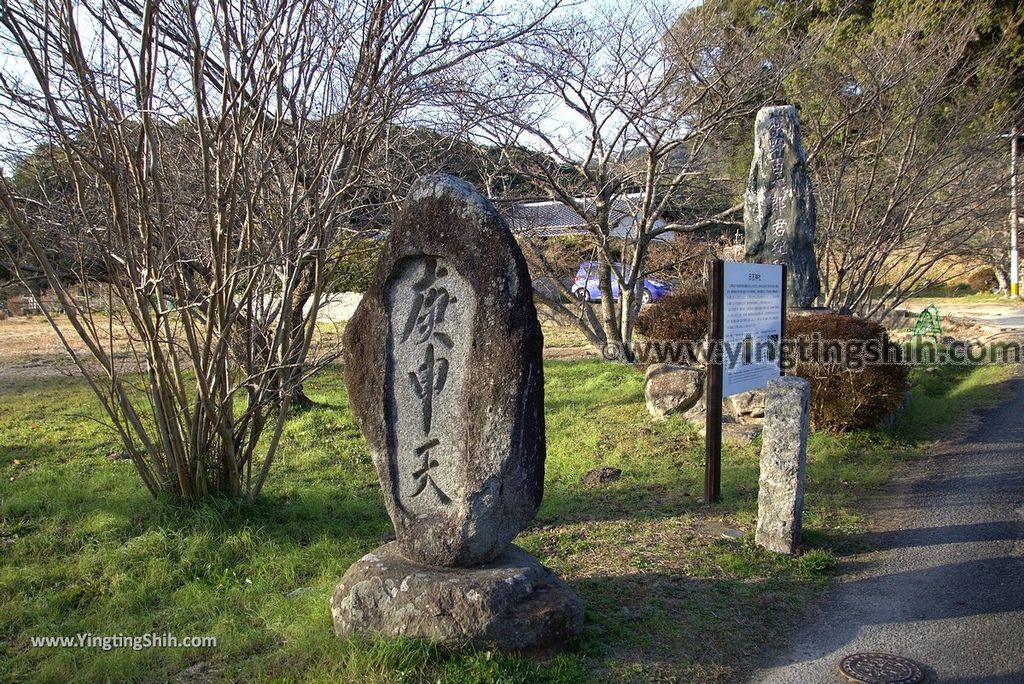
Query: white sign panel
{"x":752,"y":318}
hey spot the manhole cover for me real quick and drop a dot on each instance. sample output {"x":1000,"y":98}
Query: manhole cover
{"x":880,"y":668}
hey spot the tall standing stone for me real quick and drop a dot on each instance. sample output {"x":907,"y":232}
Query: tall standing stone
{"x":779,"y":213}
{"x":780,"y":499}
{"x":443,"y":363}
{"x":443,"y":366}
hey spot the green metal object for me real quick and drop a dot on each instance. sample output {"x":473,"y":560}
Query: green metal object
{"x":929,"y":323}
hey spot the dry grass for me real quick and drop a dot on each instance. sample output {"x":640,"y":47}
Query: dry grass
{"x":29,"y":347}
{"x":559,"y":336}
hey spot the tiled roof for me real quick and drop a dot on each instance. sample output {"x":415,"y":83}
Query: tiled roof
{"x":550,"y":218}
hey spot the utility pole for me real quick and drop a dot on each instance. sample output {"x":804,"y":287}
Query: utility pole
{"x":1014,"y":217}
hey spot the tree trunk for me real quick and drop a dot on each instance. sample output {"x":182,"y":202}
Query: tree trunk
{"x":1002,"y":278}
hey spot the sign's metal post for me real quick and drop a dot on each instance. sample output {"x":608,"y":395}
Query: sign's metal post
{"x":746,"y":341}
{"x":713,"y":385}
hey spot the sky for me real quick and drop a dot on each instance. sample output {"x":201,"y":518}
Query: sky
{"x":14,"y":142}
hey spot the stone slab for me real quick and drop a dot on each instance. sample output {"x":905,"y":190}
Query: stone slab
{"x":512,"y":603}
{"x":779,"y":211}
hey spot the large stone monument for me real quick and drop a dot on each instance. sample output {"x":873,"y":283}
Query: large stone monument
{"x":779,"y":214}
{"x":444,"y":373}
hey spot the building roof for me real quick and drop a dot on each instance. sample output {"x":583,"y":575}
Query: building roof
{"x":554,"y":218}
{"x":551,"y":218}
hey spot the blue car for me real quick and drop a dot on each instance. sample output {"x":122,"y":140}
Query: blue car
{"x":585,"y":284}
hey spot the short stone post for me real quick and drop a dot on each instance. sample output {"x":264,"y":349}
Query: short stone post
{"x":780,"y":499}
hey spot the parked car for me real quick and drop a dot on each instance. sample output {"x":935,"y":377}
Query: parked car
{"x":585,"y":284}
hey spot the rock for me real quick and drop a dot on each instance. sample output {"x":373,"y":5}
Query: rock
{"x":513,"y":602}
{"x":679,"y":390}
{"x":600,"y":476}
{"x":811,"y":311}
{"x":697,"y":414}
{"x":672,"y":389}
{"x":716,"y":529}
{"x":444,"y":373}
{"x":443,"y":363}
{"x":746,"y":407}
{"x":780,"y":499}
{"x":779,"y":213}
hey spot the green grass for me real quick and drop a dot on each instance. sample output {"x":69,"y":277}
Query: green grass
{"x":84,"y":549}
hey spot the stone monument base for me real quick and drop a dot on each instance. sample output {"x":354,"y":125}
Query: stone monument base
{"x":512,"y":603}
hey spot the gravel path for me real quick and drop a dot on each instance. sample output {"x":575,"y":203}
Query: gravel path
{"x":985,"y":320}
{"x":944,"y":584}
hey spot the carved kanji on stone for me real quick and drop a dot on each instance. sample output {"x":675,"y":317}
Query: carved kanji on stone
{"x":422,"y":474}
{"x":444,"y":369}
{"x":779,"y":213}
{"x":445,"y":377}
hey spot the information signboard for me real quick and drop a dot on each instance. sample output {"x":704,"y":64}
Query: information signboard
{"x":752,"y":326}
{"x":747,"y":318}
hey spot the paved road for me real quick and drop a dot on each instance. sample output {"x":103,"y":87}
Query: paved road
{"x":945,"y":583}
{"x":991,"y":317}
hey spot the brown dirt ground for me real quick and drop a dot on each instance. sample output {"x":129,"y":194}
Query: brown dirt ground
{"x":30,"y":349}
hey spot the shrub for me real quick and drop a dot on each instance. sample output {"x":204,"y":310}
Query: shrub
{"x":680,"y":315}
{"x":847,"y":391}
{"x":354,"y":268}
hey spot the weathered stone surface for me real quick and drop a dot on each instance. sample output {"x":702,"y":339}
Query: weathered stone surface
{"x":513,"y":602}
{"x":810,"y":311}
{"x":670,"y":389}
{"x":780,"y":499}
{"x":779,"y":213}
{"x":738,"y":434}
{"x":746,"y":407}
{"x":444,"y":373}
{"x":697,"y":414}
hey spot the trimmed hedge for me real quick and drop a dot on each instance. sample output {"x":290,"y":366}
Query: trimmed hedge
{"x":679,"y":315}
{"x":855,"y":390}
{"x":848,"y":392}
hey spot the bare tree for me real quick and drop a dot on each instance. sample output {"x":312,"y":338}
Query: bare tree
{"x":902,"y":128}
{"x":613,"y":115}
{"x":220,"y":160}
